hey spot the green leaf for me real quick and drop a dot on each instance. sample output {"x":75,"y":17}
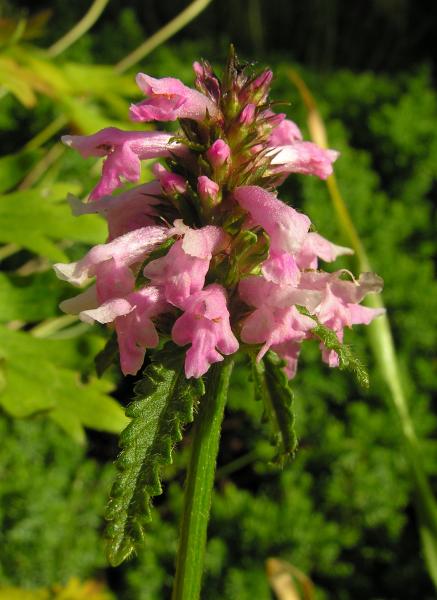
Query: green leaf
{"x":37,"y":219}
{"x":163,"y":405}
{"x":272,"y":387}
{"x":41,"y":375}
{"x":347,"y":359}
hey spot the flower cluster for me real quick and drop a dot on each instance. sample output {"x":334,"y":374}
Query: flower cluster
{"x":206,"y":253}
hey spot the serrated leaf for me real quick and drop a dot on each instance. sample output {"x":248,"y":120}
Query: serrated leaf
{"x":40,"y":375}
{"x":163,"y":405}
{"x":272,"y":387}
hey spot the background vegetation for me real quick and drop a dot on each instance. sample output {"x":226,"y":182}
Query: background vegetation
{"x":342,"y":512}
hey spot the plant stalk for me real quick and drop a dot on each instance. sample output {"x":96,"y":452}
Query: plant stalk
{"x":384,"y":350}
{"x":200,"y":483}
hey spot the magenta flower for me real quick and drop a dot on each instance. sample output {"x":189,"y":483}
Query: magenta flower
{"x":123,"y":251}
{"x":232,"y":260}
{"x":303,"y":157}
{"x":133,"y":209}
{"x":169,"y":99}
{"x":205,"y":325}
{"x":182,"y":271}
{"x":285,"y":133}
{"x":285,"y":226}
{"x":124,"y":151}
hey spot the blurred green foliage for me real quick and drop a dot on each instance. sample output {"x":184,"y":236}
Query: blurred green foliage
{"x":342,"y":510}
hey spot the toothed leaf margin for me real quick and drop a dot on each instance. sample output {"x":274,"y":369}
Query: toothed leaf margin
{"x":164,"y":402}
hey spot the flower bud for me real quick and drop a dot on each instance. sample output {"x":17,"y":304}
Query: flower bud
{"x":218,"y":154}
{"x":171,"y":183}
{"x":247,"y":115}
{"x":208,"y":190}
{"x":261,"y":85}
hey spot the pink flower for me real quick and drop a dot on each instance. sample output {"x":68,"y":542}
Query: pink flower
{"x":123,"y":251}
{"x":208,"y":190}
{"x":125,"y":212}
{"x":123,"y":150}
{"x":285,"y":226}
{"x":182,"y":271}
{"x":136,"y":330}
{"x":205,"y":324}
{"x":169,"y":99}
{"x":339,"y":306}
{"x":285,"y":133}
{"x":281,"y":268}
{"x":273,"y":327}
{"x":218,"y":154}
{"x":303,"y":157}
{"x":132,"y":317}
{"x":315,"y":246}
{"x":171,"y":183}
{"x":257,"y":291}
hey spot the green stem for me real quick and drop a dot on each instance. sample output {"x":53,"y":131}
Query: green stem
{"x":199,"y":484}
{"x":87,"y":21}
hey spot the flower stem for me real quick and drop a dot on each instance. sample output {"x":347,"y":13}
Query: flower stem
{"x":199,"y":484}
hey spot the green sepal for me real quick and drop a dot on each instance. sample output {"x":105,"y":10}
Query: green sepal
{"x":164,"y":402}
{"x":347,"y":359}
{"x":273,"y":389}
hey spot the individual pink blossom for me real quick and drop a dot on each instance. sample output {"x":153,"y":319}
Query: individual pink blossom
{"x":169,"y":99}
{"x":182,"y":271}
{"x":124,"y":212}
{"x":205,"y":324}
{"x":171,"y":183}
{"x":285,"y":226}
{"x":314,"y":247}
{"x":272,"y":327}
{"x":218,"y":154}
{"x":247,"y":115}
{"x":136,"y":331}
{"x":123,"y":251}
{"x":123,"y":150}
{"x":208,"y":190}
{"x":303,"y":157}
{"x":285,"y":133}
{"x":132,"y":317}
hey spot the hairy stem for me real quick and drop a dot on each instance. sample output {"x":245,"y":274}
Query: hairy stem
{"x":199,"y":484}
